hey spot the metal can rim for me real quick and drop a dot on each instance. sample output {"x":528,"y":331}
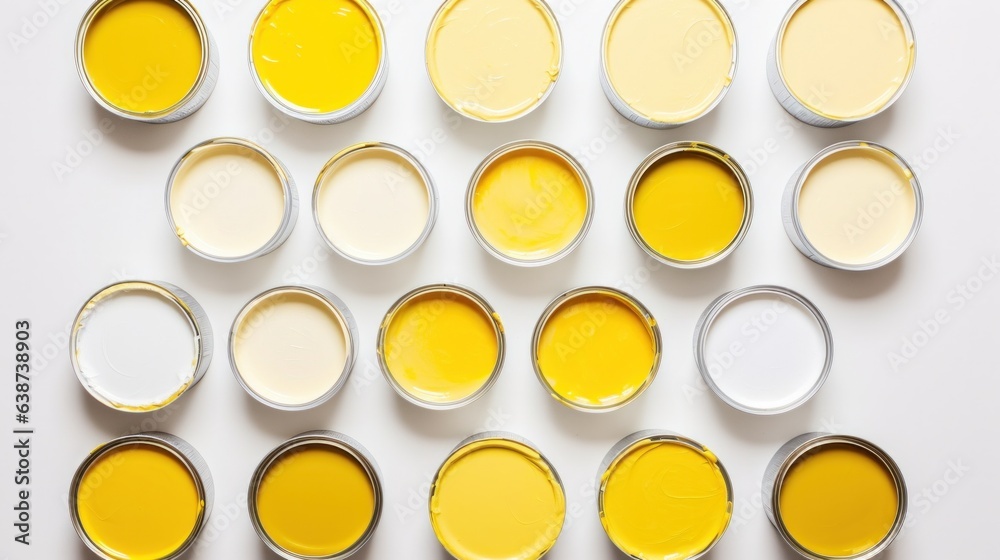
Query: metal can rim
{"x":652,"y":324}
{"x":464,"y":292}
{"x":177,"y":447}
{"x":330,"y":438}
{"x":633,"y":115}
{"x":707,"y":319}
{"x":201,"y":329}
{"x":715,"y":153}
{"x":425,"y":177}
{"x":347,"y":322}
{"x":800,"y":177}
{"x":511,"y":147}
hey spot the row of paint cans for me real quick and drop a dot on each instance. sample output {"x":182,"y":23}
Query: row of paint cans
{"x":321,"y":494}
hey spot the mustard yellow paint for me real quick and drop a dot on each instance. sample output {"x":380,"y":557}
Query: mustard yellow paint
{"x":664,"y":500}
{"x":688,"y":206}
{"x":316,"y":500}
{"x":138,"y":502}
{"x":497,"y":499}
{"x":441,"y":346}
{"x":316,"y":56}
{"x":597,"y":350}
{"x":530,"y":203}
{"x":838,"y":500}
{"x":142,"y":56}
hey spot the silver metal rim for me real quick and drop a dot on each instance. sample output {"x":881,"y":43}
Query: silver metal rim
{"x":708,"y":318}
{"x":625,"y":445}
{"x":626,"y":110}
{"x":178,"y":448}
{"x":798,"y":109}
{"x":462,"y":292}
{"x":790,"y":453}
{"x":347,"y":321}
{"x":204,"y":84}
{"x":319,"y":437}
{"x":707,"y":150}
{"x":638,"y":307}
{"x":290,"y":195}
{"x":544,"y":7}
{"x":432,"y":201}
{"x":201,"y":329}
{"x":510,"y":148}
{"x":359,"y":106}
{"x":792,"y":207}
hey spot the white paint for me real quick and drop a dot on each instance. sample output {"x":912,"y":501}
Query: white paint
{"x":373,"y":204}
{"x":290,"y":347}
{"x":765,"y":352}
{"x":136,"y":348}
{"x":227,"y":200}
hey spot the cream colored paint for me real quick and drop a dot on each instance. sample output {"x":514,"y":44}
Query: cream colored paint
{"x":670,"y":60}
{"x":494,"y":60}
{"x":226,"y":200}
{"x":290,"y":347}
{"x":372,"y":204}
{"x":845,"y":59}
{"x":857,"y":206}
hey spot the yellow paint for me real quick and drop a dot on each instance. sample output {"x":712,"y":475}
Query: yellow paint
{"x":689,"y":206}
{"x":670,"y":60}
{"x":494,"y":60}
{"x":316,"y":500}
{"x":138,"y":502}
{"x":497,"y":499}
{"x":597,"y":350}
{"x":441,"y":346}
{"x":530,"y":203}
{"x":845,"y":59}
{"x":838,"y":500}
{"x":316,"y":56}
{"x":664,"y":500}
{"x":142,"y":56}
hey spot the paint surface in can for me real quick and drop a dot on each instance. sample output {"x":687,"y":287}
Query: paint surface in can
{"x":689,"y":206}
{"x":316,"y":500}
{"x":670,"y":60}
{"x":497,"y":498}
{"x":290,"y":346}
{"x":530,"y":203}
{"x":494,"y":60}
{"x":857,"y":205}
{"x":138,"y":502}
{"x":838,"y":500}
{"x":596,"y":350}
{"x":845,"y":59}
{"x":316,"y":56}
{"x":226,"y":200}
{"x":142,"y":56}
{"x":664,"y":499}
{"x":441,"y":346}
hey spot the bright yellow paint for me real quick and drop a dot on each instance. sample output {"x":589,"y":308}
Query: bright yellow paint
{"x":597,"y":350}
{"x":316,"y":56}
{"x":441,"y":346}
{"x":138,"y":502}
{"x":664,"y":500}
{"x":142,"y":56}
{"x":530,"y":204}
{"x":316,"y":500}
{"x":497,"y":499}
{"x":839,"y":500}
{"x":689,"y":206}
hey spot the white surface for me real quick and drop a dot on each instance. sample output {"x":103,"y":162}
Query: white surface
{"x":65,"y":237}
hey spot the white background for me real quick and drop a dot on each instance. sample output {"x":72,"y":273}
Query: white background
{"x":63,"y":237}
